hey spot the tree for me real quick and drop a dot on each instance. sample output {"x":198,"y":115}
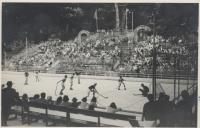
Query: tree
{"x":117,"y":16}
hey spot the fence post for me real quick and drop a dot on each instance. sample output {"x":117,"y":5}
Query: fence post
{"x":29,"y":122}
{"x":46,"y":116}
{"x":68,"y":118}
{"x":22,"y":114}
{"x":99,"y":123}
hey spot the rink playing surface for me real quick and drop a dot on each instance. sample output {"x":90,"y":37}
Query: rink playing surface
{"x":128,"y":99}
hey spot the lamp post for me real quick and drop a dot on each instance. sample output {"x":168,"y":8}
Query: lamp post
{"x":127,"y":10}
{"x":5,"y":60}
{"x":132,"y":20}
{"x":154,"y":54}
{"x":26,"y":33}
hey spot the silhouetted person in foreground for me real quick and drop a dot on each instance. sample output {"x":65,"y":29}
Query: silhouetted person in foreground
{"x":8,"y":99}
{"x":184,"y":110}
{"x":144,"y":90}
{"x":149,"y":109}
{"x":165,"y":111}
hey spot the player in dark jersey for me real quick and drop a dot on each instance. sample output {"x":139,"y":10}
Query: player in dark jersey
{"x":71,"y":81}
{"x":121,"y":81}
{"x":92,"y":89}
{"x":26,"y":78}
{"x":145,"y":90}
{"x":62,"y":84}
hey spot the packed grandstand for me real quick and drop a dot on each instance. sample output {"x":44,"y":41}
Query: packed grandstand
{"x":107,"y":51}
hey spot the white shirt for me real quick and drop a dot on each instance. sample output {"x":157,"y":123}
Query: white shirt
{"x":83,"y":105}
{"x":111,"y":110}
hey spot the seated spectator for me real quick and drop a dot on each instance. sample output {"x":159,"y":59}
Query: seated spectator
{"x":84,"y":104}
{"x":58,"y":101}
{"x":74,"y":103}
{"x":113,"y":108}
{"x":49,"y":100}
{"x":18,"y":100}
{"x":184,"y":110}
{"x":7,"y":101}
{"x":25,"y":101}
{"x":35,"y":98}
{"x":65,"y":101}
{"x":93,"y":104}
{"x":42,"y":98}
{"x":149,"y":109}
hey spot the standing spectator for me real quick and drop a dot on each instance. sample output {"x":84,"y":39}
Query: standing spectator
{"x":184,"y":110}
{"x":8,"y":99}
{"x":113,"y":108}
{"x":165,"y":111}
{"x":26,"y":78}
{"x":149,"y":109}
{"x":169,"y":112}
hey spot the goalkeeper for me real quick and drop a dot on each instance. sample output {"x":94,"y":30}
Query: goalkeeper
{"x":144,"y":90}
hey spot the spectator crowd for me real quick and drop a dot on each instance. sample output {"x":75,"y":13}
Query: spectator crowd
{"x":111,"y":52}
{"x":165,"y":112}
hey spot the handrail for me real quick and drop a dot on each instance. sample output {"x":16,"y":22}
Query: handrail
{"x":123,"y":110}
{"x":69,"y":110}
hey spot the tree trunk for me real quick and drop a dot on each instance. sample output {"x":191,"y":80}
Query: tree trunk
{"x":123,"y":19}
{"x":117,"y":16}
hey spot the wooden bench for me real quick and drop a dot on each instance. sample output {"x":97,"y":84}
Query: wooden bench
{"x":68,"y":111}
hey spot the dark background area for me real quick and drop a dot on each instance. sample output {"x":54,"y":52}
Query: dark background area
{"x":40,"y":21}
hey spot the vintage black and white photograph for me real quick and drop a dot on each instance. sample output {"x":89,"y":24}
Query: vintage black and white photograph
{"x":99,"y":64}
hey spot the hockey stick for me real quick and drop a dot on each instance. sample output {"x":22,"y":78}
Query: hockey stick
{"x":102,"y":95}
